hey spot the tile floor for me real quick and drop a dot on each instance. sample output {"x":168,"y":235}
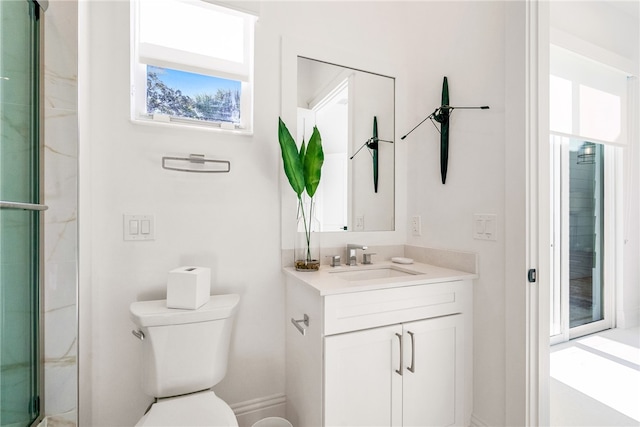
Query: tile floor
{"x":595,"y":380}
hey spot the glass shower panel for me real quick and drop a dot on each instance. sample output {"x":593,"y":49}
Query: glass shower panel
{"x":18,"y":102}
{"x":18,"y":324}
{"x":19,"y":228}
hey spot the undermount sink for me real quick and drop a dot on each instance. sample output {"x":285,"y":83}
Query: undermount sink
{"x":373,"y":273}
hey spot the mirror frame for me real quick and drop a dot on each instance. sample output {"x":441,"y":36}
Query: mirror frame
{"x":291,"y":49}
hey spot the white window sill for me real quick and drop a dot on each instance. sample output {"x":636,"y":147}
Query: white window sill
{"x":194,"y":125}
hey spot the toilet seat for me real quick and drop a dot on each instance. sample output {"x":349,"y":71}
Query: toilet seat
{"x":203,"y":409}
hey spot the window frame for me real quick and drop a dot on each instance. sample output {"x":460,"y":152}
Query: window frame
{"x":205,"y":65}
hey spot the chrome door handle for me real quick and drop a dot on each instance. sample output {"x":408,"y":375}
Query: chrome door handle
{"x":412,"y":368}
{"x":399,"y":371}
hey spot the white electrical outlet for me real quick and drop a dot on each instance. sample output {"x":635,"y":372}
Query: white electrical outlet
{"x":359,"y":223}
{"x":416,"y":226}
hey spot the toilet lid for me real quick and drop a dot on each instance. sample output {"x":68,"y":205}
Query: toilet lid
{"x":203,"y":409}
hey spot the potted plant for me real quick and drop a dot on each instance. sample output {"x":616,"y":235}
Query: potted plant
{"x":303,"y":170}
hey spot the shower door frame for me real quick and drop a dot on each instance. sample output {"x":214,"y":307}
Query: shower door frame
{"x":40,"y":6}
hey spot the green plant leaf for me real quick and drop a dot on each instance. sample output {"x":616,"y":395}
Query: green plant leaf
{"x":302,"y":154}
{"x":291,"y":159}
{"x":313,"y":159}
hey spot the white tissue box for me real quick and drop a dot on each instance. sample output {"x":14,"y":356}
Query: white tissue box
{"x":188,"y":287}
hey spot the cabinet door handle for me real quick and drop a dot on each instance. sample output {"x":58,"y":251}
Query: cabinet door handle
{"x":412,"y":368}
{"x":399,"y":371}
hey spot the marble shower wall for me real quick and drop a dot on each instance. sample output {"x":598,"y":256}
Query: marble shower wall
{"x":60,"y":194}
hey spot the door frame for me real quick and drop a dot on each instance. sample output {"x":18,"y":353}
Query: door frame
{"x":527,"y":207}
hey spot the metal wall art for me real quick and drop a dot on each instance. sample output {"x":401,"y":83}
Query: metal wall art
{"x":372,"y":145}
{"x":441,"y":115}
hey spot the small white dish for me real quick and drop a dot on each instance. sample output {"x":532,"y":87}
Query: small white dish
{"x":402,"y":260}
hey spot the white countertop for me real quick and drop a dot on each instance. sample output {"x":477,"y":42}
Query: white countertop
{"x":328,"y":280}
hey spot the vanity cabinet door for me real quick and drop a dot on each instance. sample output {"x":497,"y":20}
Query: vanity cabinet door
{"x":362,"y":387}
{"x":433,"y":379}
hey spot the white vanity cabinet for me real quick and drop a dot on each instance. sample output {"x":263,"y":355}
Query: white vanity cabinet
{"x":377,"y":355}
{"x":366,"y":383}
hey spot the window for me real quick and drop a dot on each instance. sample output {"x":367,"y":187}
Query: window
{"x":192,"y":63}
{"x":587,"y":98}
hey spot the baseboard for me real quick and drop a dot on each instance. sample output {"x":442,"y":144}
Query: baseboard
{"x":61,"y":420}
{"x":251,"y":411}
{"x":629,"y":319}
{"x":477,"y":422}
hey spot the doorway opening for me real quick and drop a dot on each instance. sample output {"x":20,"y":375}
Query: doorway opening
{"x":591,"y":124}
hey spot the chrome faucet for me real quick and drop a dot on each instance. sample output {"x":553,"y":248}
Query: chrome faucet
{"x":351,"y":253}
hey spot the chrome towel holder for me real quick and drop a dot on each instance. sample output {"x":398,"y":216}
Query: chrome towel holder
{"x":197,"y":163}
{"x":299,"y":327}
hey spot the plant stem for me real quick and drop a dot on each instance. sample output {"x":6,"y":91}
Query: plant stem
{"x":308,"y":230}
{"x":307,"y":225}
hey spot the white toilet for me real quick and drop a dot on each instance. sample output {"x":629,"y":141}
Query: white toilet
{"x":185,"y":353}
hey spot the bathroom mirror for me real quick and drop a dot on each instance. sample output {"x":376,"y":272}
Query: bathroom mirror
{"x":356,"y":192}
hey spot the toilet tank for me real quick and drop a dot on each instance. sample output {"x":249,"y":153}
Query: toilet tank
{"x":184,"y":351}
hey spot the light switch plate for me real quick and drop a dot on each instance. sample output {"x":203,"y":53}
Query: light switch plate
{"x":138,"y":227}
{"x":485,"y":227}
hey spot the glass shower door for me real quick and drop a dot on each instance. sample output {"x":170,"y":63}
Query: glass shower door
{"x":20,"y":213}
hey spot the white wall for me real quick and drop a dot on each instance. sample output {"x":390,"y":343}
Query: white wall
{"x":466,"y":43}
{"x":611,"y":25}
{"x":226,"y":222}
{"x":231,"y":222}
